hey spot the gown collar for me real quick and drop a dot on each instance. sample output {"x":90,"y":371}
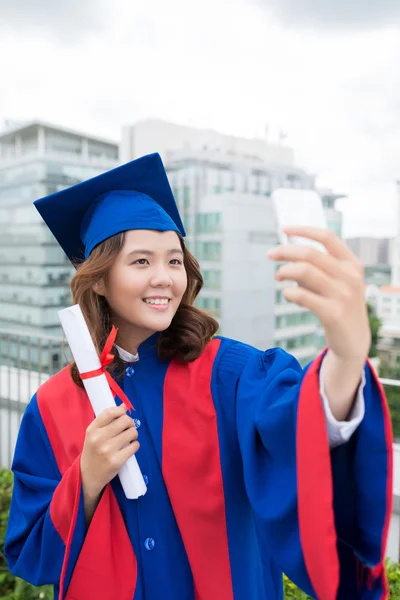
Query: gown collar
{"x":146,"y":348}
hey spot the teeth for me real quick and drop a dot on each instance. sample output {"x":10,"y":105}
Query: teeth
{"x":156,"y":300}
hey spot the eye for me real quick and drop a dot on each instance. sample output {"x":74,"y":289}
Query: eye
{"x":176,"y":261}
{"x":141,"y":261}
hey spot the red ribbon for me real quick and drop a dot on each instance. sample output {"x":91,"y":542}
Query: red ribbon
{"x":105,"y":359}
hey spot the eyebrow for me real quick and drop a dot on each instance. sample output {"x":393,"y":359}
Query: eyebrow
{"x":151,"y":253}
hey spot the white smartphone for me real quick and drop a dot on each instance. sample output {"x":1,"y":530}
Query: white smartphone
{"x":298,"y":207}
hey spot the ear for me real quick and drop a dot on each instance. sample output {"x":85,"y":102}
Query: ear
{"x":99,"y":287}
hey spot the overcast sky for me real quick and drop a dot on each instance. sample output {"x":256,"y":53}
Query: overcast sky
{"x":325,"y":73}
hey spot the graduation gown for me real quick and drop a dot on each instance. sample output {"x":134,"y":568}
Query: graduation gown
{"x":242,"y":486}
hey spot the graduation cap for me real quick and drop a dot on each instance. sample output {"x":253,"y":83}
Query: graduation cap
{"x":136,"y":195}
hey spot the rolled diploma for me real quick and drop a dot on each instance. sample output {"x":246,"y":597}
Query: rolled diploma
{"x":97,"y":388}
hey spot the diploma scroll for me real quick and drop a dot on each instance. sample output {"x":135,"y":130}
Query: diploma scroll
{"x":97,"y":387}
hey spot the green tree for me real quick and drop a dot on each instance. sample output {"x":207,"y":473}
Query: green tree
{"x":392,"y":395}
{"x":374,"y":324}
{"x":393,"y":574}
{"x":13,"y":588}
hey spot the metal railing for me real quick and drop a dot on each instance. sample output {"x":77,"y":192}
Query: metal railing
{"x":26,"y":361}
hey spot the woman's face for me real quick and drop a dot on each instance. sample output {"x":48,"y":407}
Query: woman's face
{"x":145,"y":285}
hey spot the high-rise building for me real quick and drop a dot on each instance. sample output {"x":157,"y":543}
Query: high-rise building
{"x":37,"y":159}
{"x":373,"y":252}
{"x":395,"y":250}
{"x":388,"y":305}
{"x":222,"y":185}
{"x":334,"y":217}
{"x":228,"y":230}
{"x":153,"y":135}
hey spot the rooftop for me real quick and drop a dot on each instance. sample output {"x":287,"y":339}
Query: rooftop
{"x":31,"y":126}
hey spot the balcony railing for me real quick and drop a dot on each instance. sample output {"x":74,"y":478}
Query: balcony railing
{"x":26,"y":361}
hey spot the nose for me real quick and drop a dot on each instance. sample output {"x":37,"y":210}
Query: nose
{"x":161,"y":277}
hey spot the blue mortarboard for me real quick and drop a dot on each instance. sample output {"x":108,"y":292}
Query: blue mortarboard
{"x":134,"y":196}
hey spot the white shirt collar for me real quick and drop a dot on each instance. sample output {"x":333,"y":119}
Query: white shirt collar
{"x":127,"y":356}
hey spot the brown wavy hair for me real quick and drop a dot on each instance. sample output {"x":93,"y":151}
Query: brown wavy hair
{"x":190,"y":330}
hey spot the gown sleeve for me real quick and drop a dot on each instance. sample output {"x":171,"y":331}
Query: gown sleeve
{"x":323,"y":514}
{"x":340,"y":432}
{"x":46,"y":519}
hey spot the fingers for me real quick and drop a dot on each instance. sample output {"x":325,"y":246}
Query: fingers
{"x":296,"y":253}
{"x":110,"y":440}
{"x":108,"y":446}
{"x":118,"y":425}
{"x":330,"y":240}
{"x":309,"y":277}
{"x":126,"y":437}
{"x":108,"y":415}
{"x":321,"y":307}
{"x":127,"y":452}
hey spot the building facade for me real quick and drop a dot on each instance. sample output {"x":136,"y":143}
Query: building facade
{"x":373,"y":252}
{"x":229,"y":224}
{"x":334,"y":217}
{"x":154,"y":135}
{"x":388,"y":305}
{"x":223,"y":185}
{"x":388,"y":347}
{"x":38,"y":159}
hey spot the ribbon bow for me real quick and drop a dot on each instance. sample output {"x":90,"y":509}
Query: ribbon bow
{"x":105,"y":359}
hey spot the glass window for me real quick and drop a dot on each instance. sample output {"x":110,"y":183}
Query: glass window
{"x":186,"y":198}
{"x":22,"y":174}
{"x":212,"y":279}
{"x":215,"y":309}
{"x":101,"y":150}
{"x":63,"y":142}
{"x":208,"y":251}
{"x":208,"y":222}
{"x":187,"y":222}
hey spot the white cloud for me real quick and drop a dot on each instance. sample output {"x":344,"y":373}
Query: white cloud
{"x":236,"y":70}
{"x":64,"y":21}
{"x":340,"y":14}
{"x":371,"y":210}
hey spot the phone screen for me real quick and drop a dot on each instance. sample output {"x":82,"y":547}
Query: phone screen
{"x":298,"y":207}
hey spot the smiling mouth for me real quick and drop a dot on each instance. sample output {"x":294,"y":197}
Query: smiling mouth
{"x":157,"y":301}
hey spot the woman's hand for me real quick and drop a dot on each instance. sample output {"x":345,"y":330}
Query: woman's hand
{"x":110,"y":440}
{"x":331,"y":286}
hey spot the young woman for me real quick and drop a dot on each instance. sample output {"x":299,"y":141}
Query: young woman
{"x":253,"y":466}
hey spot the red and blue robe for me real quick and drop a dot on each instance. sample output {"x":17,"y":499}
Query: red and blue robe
{"x":242,"y":486}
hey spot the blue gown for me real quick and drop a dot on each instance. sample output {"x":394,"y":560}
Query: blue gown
{"x":242,"y":486}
